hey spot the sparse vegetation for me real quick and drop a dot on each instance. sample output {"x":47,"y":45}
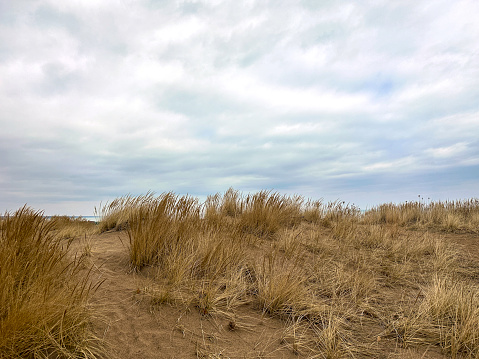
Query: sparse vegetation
{"x":306,"y":262}
{"x":343,"y":283}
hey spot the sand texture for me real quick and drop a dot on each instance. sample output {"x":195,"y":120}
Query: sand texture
{"x":134,"y":328}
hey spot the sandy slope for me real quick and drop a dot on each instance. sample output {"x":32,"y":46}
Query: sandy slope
{"x":134,"y":329}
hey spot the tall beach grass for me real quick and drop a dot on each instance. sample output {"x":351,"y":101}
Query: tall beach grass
{"x":44,"y":300}
{"x":341,"y":278}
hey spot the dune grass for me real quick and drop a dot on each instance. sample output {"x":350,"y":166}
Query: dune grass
{"x":447,"y":216}
{"x":44,"y":301}
{"x":115,"y":214}
{"x":342,"y":282}
{"x":65,"y":227}
{"x":338,"y":278}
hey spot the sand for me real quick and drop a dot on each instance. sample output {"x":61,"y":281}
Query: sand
{"x":134,"y":329}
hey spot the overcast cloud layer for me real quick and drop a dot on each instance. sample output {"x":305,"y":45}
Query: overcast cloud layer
{"x":365,"y":101}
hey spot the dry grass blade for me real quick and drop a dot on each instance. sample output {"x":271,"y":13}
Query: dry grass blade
{"x":265,"y":212}
{"x":452,"y":309}
{"x":281,"y":289}
{"x":44,"y":309}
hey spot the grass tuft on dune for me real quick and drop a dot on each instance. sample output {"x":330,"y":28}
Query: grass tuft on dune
{"x":343,"y":283}
{"x":325,"y":269}
{"x":44,"y":301}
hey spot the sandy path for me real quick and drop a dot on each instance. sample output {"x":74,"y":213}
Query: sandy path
{"x":132,"y":331}
{"x":135,"y":330}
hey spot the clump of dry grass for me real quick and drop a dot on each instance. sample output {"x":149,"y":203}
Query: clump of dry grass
{"x":313,"y":211}
{"x":197,"y":262}
{"x":115,"y":214}
{"x":280,"y":285}
{"x":337,"y":211}
{"x":44,"y":308}
{"x":159,"y":226}
{"x":220,"y":211}
{"x":332,"y":338}
{"x":265,"y":212}
{"x":232,"y":203}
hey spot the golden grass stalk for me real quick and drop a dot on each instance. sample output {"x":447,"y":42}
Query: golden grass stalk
{"x":327,"y":268}
{"x":44,"y":308}
{"x":452,"y":309}
{"x":115,"y":214}
{"x":281,"y":285}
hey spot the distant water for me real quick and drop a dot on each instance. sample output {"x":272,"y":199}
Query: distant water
{"x":91,"y":218}
{"x":88,"y":218}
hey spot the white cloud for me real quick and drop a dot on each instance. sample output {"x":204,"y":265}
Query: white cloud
{"x":395,"y":165}
{"x":200,"y":95}
{"x":455,"y":150}
{"x":180,"y":31}
{"x":297,"y":129}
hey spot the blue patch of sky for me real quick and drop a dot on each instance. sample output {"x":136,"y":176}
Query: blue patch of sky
{"x":379,"y":85}
{"x":394,"y":148}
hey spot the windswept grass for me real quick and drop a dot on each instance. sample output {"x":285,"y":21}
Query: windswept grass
{"x":44,"y":308}
{"x":281,"y":286}
{"x":326,"y":270}
{"x":159,"y":226}
{"x":198,"y":262}
{"x":115,"y":214}
{"x":265,"y":212}
{"x":342,"y":282}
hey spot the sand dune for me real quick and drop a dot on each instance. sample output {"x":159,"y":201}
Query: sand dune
{"x":133,"y":328}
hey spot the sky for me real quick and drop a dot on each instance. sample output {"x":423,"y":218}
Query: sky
{"x":364,"y":101}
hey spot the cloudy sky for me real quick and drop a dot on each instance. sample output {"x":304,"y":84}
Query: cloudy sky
{"x":364,"y":101}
